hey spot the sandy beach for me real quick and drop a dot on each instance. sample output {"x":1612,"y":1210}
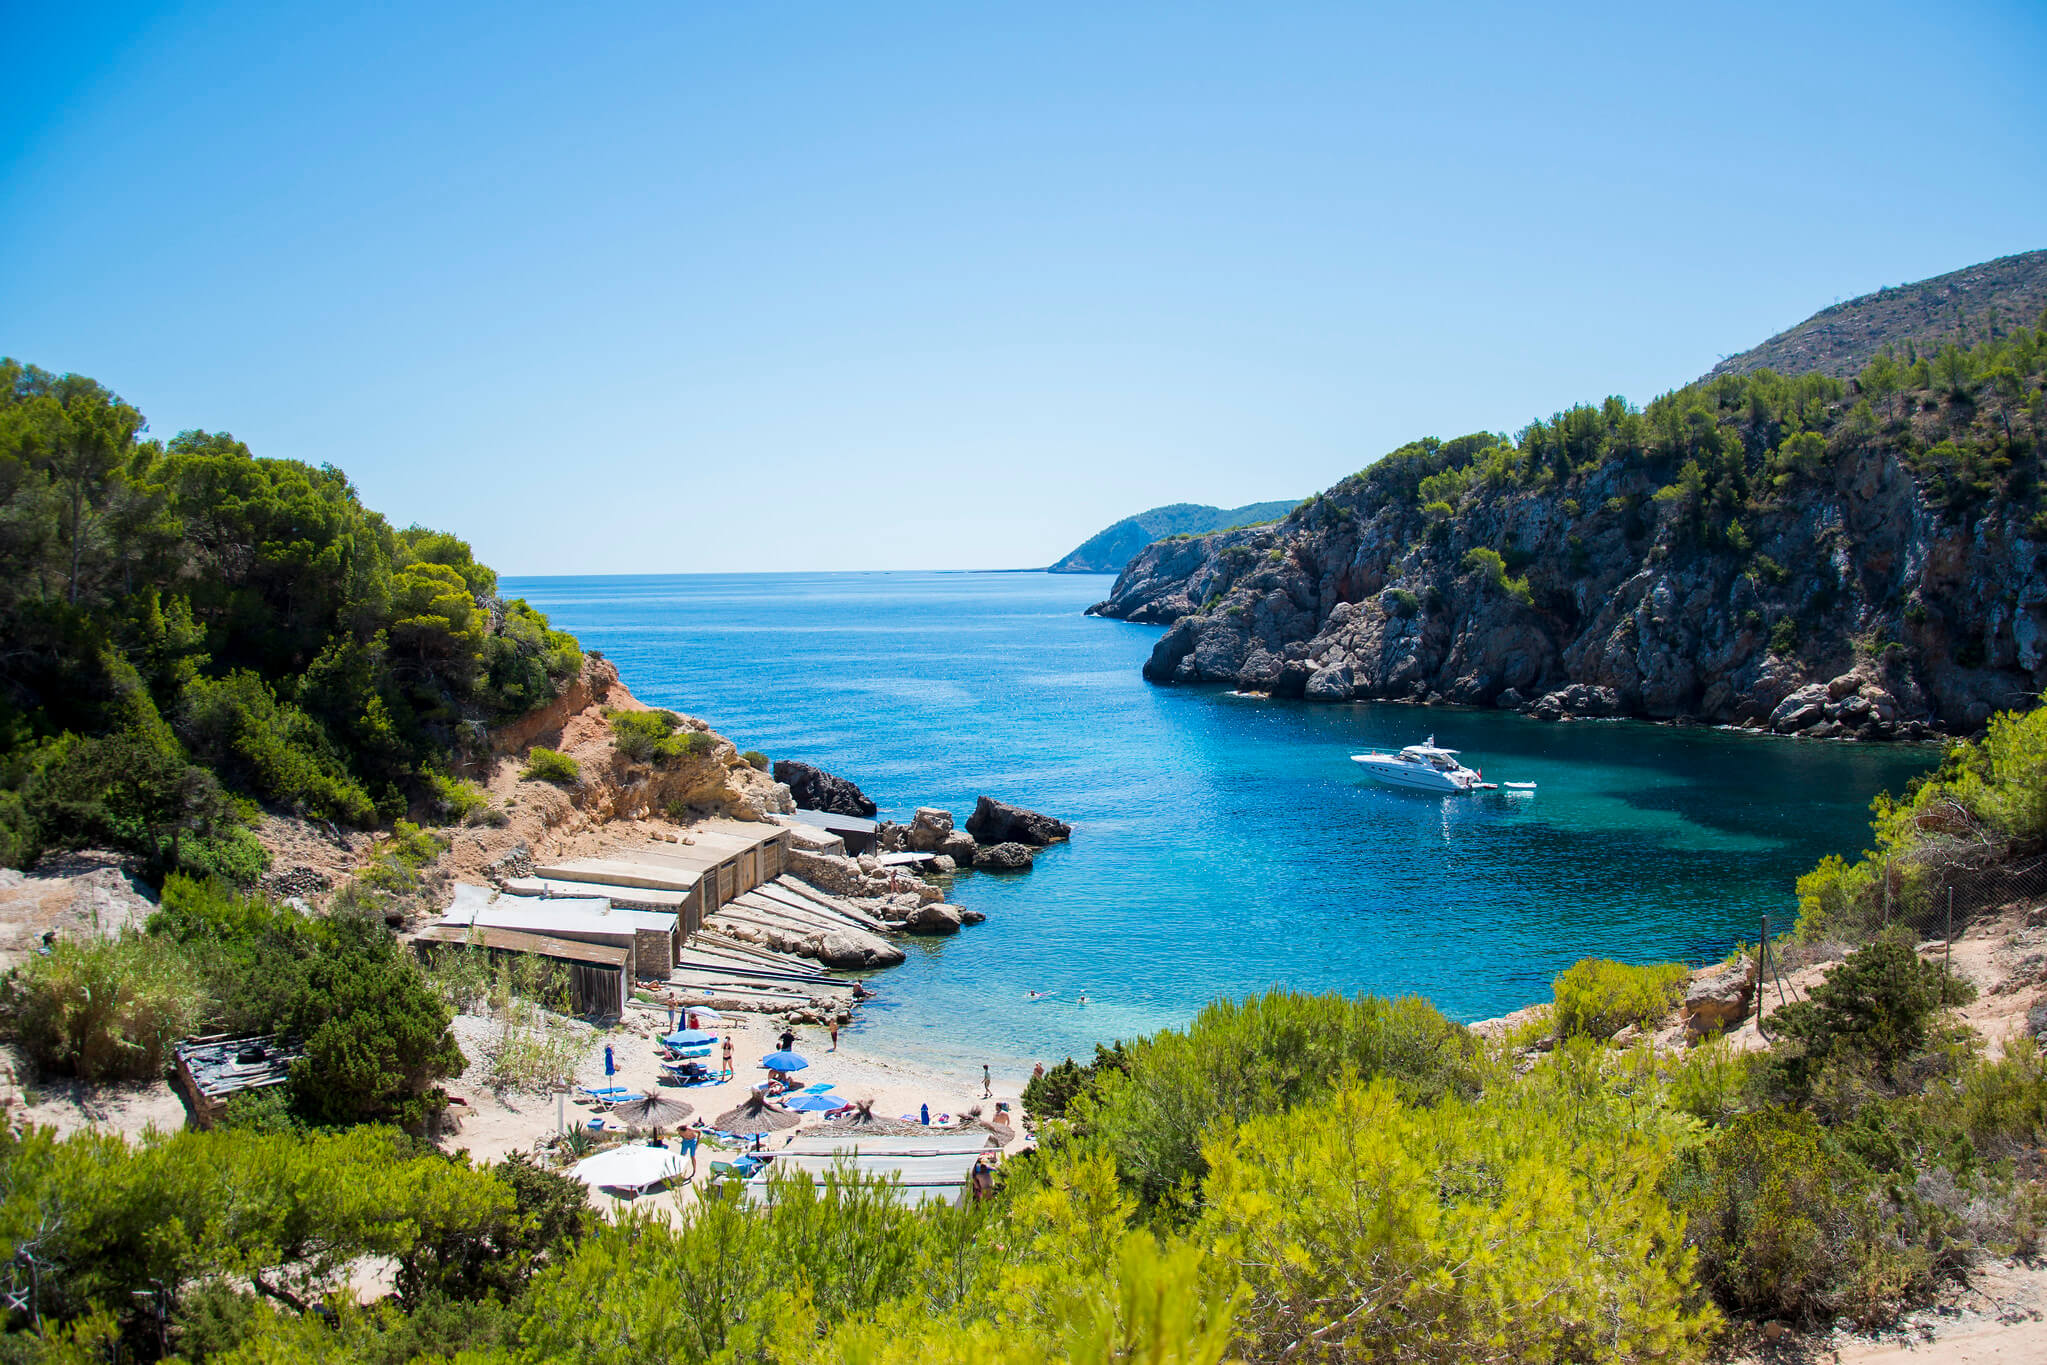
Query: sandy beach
{"x":493,"y":1126}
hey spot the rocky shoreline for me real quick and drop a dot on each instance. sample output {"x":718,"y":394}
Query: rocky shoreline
{"x":1856,"y":596}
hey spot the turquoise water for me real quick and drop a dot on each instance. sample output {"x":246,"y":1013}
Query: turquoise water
{"x":1222,"y":844}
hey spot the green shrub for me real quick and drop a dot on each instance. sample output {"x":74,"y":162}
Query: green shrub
{"x":1258,"y":1056}
{"x":1491,"y":568}
{"x":549,"y":765}
{"x":756,"y":759}
{"x":1051,"y":1095}
{"x":237,"y":726}
{"x":1784,"y":637}
{"x":698,"y":744}
{"x":460,"y":802}
{"x":651,"y":737}
{"x":1402,"y":603}
{"x":1787,"y":1225}
{"x":1597,"y":998}
{"x":103,"y":1008}
{"x":1871,"y":1014}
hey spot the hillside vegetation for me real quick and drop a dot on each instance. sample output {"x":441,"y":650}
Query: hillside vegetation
{"x":1962,"y":307}
{"x":1288,"y":1178}
{"x":1109,"y":550}
{"x":1860,"y":556}
{"x":191,"y":629}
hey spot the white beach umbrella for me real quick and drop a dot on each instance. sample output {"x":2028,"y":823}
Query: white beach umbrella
{"x":628,"y":1168}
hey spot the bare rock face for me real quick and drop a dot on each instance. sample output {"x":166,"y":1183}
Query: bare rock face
{"x":1855,"y":603}
{"x":933,"y":919}
{"x":1006,"y":857}
{"x":80,"y":895}
{"x":998,"y":822}
{"x":958,"y":846}
{"x":1719,"y":1000}
{"x":816,"y":789}
{"x":929,"y":829}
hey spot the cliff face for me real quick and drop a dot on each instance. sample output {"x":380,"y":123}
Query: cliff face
{"x":1704,"y":561}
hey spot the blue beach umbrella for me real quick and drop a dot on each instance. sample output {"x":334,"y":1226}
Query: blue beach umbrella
{"x":783,"y":1061}
{"x":690,"y":1037}
{"x":610,"y":1066}
{"x":813,"y":1103}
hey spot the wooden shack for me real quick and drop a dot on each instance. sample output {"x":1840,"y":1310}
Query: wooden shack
{"x":598,"y":973}
{"x":213,"y":1069}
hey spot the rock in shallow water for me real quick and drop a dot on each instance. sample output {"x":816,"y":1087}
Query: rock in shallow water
{"x":1005,"y":857}
{"x":816,"y":789}
{"x":998,"y":822}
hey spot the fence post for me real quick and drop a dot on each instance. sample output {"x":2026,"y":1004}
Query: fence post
{"x":1948,"y":954}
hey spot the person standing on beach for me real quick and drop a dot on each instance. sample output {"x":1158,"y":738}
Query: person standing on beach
{"x":788,"y":1040}
{"x":728,"y":1057}
{"x":987,"y":1083}
{"x":835,"y":1035}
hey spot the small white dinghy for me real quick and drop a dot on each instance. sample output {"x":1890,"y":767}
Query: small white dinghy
{"x":1525,"y":788}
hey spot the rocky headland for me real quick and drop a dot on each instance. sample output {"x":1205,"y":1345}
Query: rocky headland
{"x":1809,"y":556}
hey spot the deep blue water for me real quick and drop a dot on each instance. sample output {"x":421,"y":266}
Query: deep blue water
{"x":1222,"y":844}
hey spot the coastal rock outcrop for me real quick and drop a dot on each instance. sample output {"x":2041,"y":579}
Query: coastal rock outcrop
{"x":1005,"y":857}
{"x":998,"y":822}
{"x":815,"y":789}
{"x":1720,"y":1000}
{"x":929,"y":829}
{"x":1841,"y":585}
{"x":851,"y":949}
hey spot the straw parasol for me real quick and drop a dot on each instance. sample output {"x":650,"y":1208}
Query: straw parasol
{"x":863,"y":1119}
{"x":652,"y":1111}
{"x":754,"y":1116}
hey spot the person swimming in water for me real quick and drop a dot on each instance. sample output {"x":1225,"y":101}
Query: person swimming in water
{"x":1082,"y":1002}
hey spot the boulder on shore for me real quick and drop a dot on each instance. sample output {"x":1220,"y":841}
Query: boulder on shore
{"x":1004,"y":857}
{"x":851,"y":949}
{"x":933,"y":919}
{"x":816,"y":789}
{"x":1718,"y":1000}
{"x":929,"y":829}
{"x":998,"y":822}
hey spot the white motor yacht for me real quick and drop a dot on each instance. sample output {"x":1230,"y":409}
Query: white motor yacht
{"x":1423,"y":767}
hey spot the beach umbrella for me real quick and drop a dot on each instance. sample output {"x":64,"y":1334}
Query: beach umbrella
{"x":814,"y":1103}
{"x":754,"y":1117}
{"x":690,"y":1037}
{"x":610,"y":1066}
{"x":628,"y":1168}
{"x":783,"y":1061}
{"x":706,"y":1012}
{"x":653,"y":1111}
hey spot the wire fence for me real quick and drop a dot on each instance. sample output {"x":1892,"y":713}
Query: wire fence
{"x":1949,"y":881}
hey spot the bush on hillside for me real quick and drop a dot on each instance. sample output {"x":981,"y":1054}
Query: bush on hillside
{"x":1385,"y":1230}
{"x":1597,"y":998}
{"x":103,"y":1008}
{"x":458,"y":802}
{"x":1259,"y":1056}
{"x":647,"y":736}
{"x":238,"y":727}
{"x":549,"y":765}
{"x":1985,"y":803}
{"x":756,"y":759}
{"x":1871,"y":1014}
{"x":1787,"y":1225}
{"x":1491,"y":567}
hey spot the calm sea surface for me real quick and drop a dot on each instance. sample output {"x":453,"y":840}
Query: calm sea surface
{"x":1222,"y":844}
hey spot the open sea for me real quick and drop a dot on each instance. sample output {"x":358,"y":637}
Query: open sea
{"x":1222,"y":844}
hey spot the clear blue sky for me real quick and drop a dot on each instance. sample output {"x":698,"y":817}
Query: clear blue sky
{"x":689,"y":287}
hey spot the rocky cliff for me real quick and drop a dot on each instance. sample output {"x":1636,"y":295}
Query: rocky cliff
{"x":1808,"y":555}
